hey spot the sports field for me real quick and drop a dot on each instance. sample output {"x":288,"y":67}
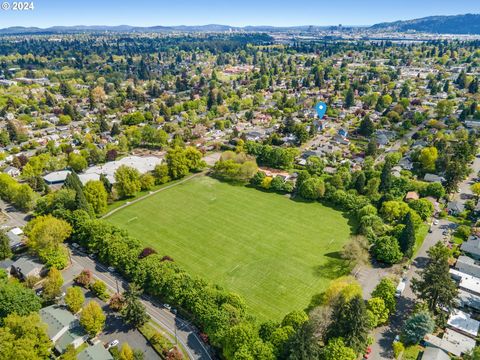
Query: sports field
{"x":274,"y":251}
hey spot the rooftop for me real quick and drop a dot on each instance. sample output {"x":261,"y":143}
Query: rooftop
{"x":56,"y":318}
{"x":95,"y":352}
{"x":463,"y":322}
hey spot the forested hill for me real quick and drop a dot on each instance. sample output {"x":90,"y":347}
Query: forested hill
{"x":455,"y":24}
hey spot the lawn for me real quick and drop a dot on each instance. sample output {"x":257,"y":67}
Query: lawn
{"x":276,"y":252}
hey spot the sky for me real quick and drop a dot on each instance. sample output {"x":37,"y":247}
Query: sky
{"x":229,"y":12}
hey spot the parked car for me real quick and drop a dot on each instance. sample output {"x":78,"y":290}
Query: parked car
{"x":167,"y":306}
{"x":401,"y":287}
{"x":112,"y":343}
{"x":75,"y":245}
{"x":111,"y":269}
{"x":436,"y":222}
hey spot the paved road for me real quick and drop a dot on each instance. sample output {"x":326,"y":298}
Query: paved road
{"x":384,"y":336}
{"x":186,"y":334}
{"x":14,"y":217}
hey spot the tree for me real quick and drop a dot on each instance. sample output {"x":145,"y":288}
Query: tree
{"x":133,"y":310}
{"x":385,"y":290}
{"x":147,"y":181}
{"x":92,"y":318}
{"x":312,"y":188}
{"x":386,"y":177}
{"x":436,"y":190}
{"x":74,"y":299}
{"x":46,"y":235}
{"x":15,"y":298}
{"x":24,"y":337}
{"x":428,"y":156}
{"x":5,"y":251}
{"x":351,"y":322}
{"x":387,"y":250}
{"x":417,"y":326}
{"x":69,"y":354}
{"x":435,"y":285}
{"x":52,"y":287}
{"x":474,"y":354}
{"x":99,"y":288}
{"x":77,"y":162}
{"x":379,"y":311}
{"x":349,"y":98}
{"x":127,"y":181}
{"x":366,"y":127}
{"x":96,"y":195}
{"x":84,"y":278}
{"x":126,"y":352}
{"x":337,"y":350}
{"x":422,"y":207}
{"x":444,"y":108}
{"x":476,"y":189}
{"x":116,"y":302}
{"x":407,"y":237}
{"x":24,"y":197}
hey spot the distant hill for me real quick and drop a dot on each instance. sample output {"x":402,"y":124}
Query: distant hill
{"x":455,"y":24}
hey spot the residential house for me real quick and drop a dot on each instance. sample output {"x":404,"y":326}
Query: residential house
{"x":468,"y":300}
{"x":411,"y":195}
{"x":433,"y":353}
{"x":433,"y":178}
{"x":468,"y":266}
{"x":95,"y":352}
{"x":455,"y":207}
{"x":12,"y":171}
{"x":472,"y":247}
{"x":452,"y":342}
{"x":56,"y":177}
{"x":63,"y":328}
{"x":463,"y":323}
{"x":15,"y":238}
{"x":27,"y":266}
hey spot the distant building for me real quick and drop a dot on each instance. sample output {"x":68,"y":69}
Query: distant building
{"x":15,"y":238}
{"x":12,"y":171}
{"x":433,"y":353}
{"x":472,"y":247}
{"x":411,"y":195}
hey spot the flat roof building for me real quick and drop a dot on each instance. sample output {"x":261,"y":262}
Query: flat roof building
{"x":463,"y":323}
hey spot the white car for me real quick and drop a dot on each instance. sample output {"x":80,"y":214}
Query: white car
{"x":112,"y":343}
{"x":75,"y":245}
{"x":401,"y":287}
{"x":167,"y":306}
{"x":436,"y":222}
{"x":111,"y":269}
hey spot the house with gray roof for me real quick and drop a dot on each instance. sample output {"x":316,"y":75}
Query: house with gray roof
{"x":62,"y":327}
{"x":433,"y":353}
{"x":472,"y":247}
{"x":468,"y":266}
{"x":95,"y":352}
{"x":26,"y":266}
{"x":433,"y":178}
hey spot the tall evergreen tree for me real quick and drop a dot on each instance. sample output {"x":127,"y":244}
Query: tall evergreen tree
{"x":73,"y":182}
{"x":407,"y":237}
{"x":386,"y":177}
{"x":134,"y":311}
{"x":351,"y":322}
{"x":435,"y":285}
{"x":349,"y":98}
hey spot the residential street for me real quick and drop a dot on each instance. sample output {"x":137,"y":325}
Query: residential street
{"x":384,"y":336}
{"x":186,"y":334}
{"x":15,"y":218}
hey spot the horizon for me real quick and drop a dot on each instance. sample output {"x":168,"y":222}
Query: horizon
{"x":147,"y":13}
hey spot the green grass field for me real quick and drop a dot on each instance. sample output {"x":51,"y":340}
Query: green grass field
{"x":277,"y":253}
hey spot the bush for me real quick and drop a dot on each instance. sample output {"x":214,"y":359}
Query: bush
{"x":100,"y":289}
{"x":84,"y":278}
{"x":398,"y":349}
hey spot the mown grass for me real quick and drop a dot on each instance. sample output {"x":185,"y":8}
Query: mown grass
{"x":276,"y":252}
